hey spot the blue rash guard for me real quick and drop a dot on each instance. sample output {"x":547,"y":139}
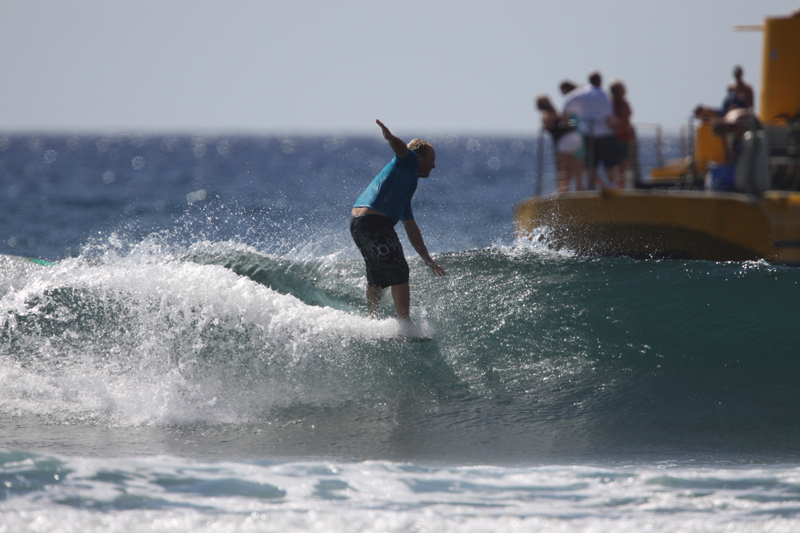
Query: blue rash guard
{"x":391,"y":191}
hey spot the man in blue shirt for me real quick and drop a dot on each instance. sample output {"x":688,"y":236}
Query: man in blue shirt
{"x":386,"y":201}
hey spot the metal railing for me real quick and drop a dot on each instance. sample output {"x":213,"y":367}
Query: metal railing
{"x":635,"y":163}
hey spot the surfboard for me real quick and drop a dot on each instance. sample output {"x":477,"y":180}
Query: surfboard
{"x":403,"y":338}
{"x":40,"y":261}
{"x":405,"y":331}
{"x":33,"y":260}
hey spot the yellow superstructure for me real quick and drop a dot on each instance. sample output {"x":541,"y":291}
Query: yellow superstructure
{"x":708,"y":147}
{"x":780,"y":71}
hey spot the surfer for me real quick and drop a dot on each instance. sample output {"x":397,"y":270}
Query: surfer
{"x":385,"y":202}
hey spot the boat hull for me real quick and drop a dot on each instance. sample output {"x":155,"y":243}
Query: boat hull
{"x":667,"y":224}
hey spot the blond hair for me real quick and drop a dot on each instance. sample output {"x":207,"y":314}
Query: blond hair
{"x":420,"y":147}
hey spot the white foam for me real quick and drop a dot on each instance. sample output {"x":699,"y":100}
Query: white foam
{"x":385,"y":496}
{"x":169,"y":314}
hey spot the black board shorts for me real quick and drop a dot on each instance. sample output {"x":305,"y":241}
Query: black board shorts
{"x":601,"y":150}
{"x":378,"y":242}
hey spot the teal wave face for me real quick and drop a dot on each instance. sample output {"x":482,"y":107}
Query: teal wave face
{"x":656,"y":351}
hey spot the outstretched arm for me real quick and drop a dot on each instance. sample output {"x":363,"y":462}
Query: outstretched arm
{"x":415,"y":238}
{"x":398,"y":146}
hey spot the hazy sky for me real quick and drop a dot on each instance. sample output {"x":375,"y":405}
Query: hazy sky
{"x":298,"y":66}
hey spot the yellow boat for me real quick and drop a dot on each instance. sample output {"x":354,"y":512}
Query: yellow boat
{"x":677,"y":217}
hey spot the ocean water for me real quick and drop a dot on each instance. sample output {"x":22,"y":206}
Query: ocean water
{"x":199,"y":358}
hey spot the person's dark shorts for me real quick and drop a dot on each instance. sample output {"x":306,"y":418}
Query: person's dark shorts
{"x":378,"y":242}
{"x":623,"y":150}
{"x":601,"y":150}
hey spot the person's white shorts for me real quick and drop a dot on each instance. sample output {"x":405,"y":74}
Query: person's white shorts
{"x":569,"y":143}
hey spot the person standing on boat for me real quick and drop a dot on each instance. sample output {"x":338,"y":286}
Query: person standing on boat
{"x":593,"y":108}
{"x":567,"y":142}
{"x":623,"y":129}
{"x":385,"y":202}
{"x":740,"y":94}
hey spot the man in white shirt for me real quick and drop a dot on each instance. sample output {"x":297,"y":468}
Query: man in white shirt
{"x":596,"y":121}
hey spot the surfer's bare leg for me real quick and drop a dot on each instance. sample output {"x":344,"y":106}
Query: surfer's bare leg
{"x":402,"y":300}
{"x":373,"y":300}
